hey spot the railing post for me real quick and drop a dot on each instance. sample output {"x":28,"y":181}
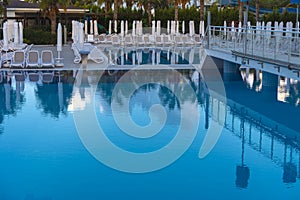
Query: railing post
{"x":227,"y":38}
{"x":277,"y":39}
{"x":208,"y":24}
{"x":214,"y":35}
{"x":263,"y":32}
{"x":245,"y":26}
{"x":275,"y":46}
{"x":252,"y":38}
{"x":290,"y":49}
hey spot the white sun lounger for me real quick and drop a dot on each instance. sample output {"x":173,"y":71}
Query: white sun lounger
{"x":178,"y":40}
{"x":47,"y":59}
{"x":77,"y":55}
{"x":33,"y":59}
{"x":102,"y":38}
{"x":108,"y":39}
{"x":140,"y":40}
{"x":187,"y":40}
{"x":18,"y":59}
{"x":7,"y":56}
{"x":166,"y":40}
{"x":158,"y":40}
{"x":197,"y":39}
{"x":128,"y":40}
{"x":96,"y":56}
{"x":115,"y":40}
{"x":146,"y":40}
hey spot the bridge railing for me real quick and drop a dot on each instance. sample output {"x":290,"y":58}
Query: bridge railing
{"x":281,"y":46}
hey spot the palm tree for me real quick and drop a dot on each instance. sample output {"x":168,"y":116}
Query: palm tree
{"x":3,"y":9}
{"x":257,"y":10}
{"x":183,"y":3}
{"x":116,"y":6}
{"x":147,"y":4}
{"x":129,"y":3}
{"x":176,"y":2}
{"x":241,"y":5}
{"x":107,"y":5}
{"x":201,"y":10}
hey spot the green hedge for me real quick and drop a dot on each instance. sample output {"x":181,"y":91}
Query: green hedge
{"x":38,"y":36}
{"x":276,"y":16}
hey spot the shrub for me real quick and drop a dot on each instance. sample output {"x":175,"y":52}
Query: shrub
{"x":38,"y":36}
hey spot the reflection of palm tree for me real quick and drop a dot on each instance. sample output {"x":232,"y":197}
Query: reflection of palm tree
{"x":105,"y":87}
{"x":147,"y":87}
{"x":13,"y":106}
{"x":48,"y":96}
{"x":168,"y":98}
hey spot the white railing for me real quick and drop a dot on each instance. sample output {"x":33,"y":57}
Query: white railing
{"x":277,"y":45}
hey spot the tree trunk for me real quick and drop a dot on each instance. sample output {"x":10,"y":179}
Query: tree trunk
{"x":176,"y":10}
{"x":5,"y":10}
{"x":201,"y":10}
{"x":183,"y":6}
{"x":53,"y":20}
{"x":115,"y":9}
{"x":106,"y":8}
{"x":129,"y":4}
{"x":257,"y":10}
{"x":149,"y":12}
{"x":241,"y":6}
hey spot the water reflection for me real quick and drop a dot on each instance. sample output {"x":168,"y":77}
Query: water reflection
{"x":263,"y":134}
{"x":242,"y":170}
{"x":11,"y":98}
{"x":289,"y":168}
{"x":274,"y":132}
{"x":286,"y":88}
{"x":54,"y":93}
{"x":276,"y":140}
{"x":167,"y":98}
{"x":152,"y":56}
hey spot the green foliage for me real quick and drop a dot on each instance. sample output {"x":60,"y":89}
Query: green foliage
{"x":123,"y":14}
{"x":271,"y":4}
{"x":38,"y":36}
{"x":276,"y":16}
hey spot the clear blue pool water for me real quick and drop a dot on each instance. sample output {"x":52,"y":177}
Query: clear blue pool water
{"x":256,"y":157}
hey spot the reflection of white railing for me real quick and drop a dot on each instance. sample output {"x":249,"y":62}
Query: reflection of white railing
{"x":271,"y":44}
{"x":257,"y":132}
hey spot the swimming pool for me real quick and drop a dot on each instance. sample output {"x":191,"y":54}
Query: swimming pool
{"x":257,"y":156}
